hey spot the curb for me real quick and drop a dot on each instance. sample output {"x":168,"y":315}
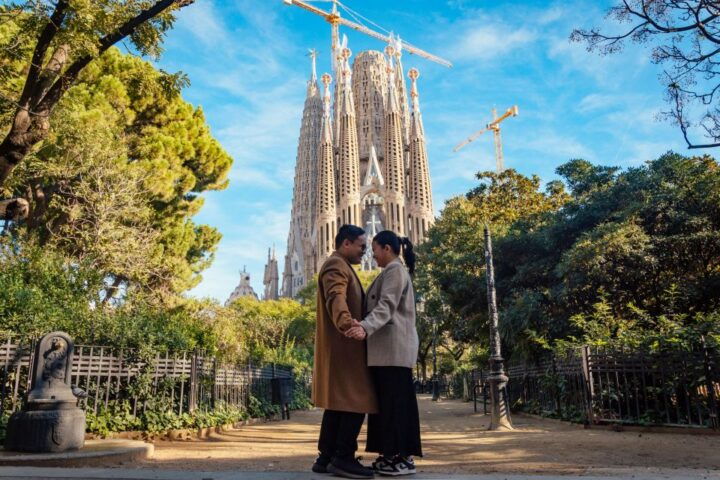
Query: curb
{"x":94,"y":453}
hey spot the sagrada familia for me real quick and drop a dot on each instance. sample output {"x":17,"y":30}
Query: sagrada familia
{"x":361,"y":161}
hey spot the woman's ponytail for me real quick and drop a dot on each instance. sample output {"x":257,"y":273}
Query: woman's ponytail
{"x":408,"y":254}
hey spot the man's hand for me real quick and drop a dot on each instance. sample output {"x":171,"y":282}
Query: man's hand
{"x":356,"y":331}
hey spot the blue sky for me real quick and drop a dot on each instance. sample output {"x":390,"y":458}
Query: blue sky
{"x":247,"y":64}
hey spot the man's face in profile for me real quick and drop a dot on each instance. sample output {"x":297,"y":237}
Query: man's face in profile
{"x":356,"y":249}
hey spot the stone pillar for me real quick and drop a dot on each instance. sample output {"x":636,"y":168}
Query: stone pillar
{"x":50,"y":420}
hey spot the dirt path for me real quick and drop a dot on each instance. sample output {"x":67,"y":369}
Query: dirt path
{"x":455,"y":441}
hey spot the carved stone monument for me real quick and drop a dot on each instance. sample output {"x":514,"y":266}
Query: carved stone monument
{"x":50,"y":420}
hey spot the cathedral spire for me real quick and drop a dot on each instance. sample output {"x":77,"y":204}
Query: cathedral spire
{"x":325,"y":227}
{"x":299,"y":247}
{"x":312,"y":86}
{"x":396,"y":43}
{"x":420,"y":195}
{"x":349,"y":211}
{"x":394,"y":154}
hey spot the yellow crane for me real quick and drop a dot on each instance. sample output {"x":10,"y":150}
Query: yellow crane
{"x":495,"y":127}
{"x":334,"y":18}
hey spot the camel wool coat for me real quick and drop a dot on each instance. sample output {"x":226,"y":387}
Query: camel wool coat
{"x":341,"y":378}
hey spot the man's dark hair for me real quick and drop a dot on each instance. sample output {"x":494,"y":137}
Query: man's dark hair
{"x":348,"y":232}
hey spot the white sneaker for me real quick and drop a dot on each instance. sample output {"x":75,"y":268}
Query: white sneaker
{"x":394,"y":468}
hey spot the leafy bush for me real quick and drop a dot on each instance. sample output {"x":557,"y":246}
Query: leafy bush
{"x":158,"y":418}
{"x":261,"y":408}
{"x":3,"y":425}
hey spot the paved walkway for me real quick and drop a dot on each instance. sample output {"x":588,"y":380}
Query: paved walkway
{"x":456,"y":444}
{"x":30,"y":473}
{"x":455,"y":441}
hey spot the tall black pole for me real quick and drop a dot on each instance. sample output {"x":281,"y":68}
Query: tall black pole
{"x":435,"y":383}
{"x":500,"y":411}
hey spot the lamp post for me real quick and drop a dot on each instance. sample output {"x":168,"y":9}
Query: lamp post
{"x":500,"y":411}
{"x":435,"y":383}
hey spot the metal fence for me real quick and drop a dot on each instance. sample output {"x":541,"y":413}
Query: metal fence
{"x":601,"y":385}
{"x":183,"y":381}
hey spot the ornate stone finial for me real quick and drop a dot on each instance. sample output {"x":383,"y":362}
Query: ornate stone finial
{"x":414,"y":74}
{"x":345,"y":53}
{"x":326,"y":79}
{"x":390,"y":51}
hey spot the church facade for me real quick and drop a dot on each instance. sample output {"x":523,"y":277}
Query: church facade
{"x":361,"y":160}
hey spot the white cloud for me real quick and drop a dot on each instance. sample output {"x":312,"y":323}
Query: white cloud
{"x":596,"y":101}
{"x":551,"y":15}
{"x":202,"y":21}
{"x":551,"y":145}
{"x":484,"y":42}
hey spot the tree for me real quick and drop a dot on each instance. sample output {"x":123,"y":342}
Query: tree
{"x":65,"y":37}
{"x":686,"y":39}
{"x":118,"y":177}
{"x":451,"y":266}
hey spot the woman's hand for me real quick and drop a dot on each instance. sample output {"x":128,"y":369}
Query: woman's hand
{"x":356,"y":331}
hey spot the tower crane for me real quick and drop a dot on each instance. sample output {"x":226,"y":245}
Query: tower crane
{"x":334,"y":18}
{"x":495,"y":127}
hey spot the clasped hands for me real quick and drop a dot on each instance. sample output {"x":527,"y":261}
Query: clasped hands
{"x":356,"y":331}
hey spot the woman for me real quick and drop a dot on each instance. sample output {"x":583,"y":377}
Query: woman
{"x":392,"y":345}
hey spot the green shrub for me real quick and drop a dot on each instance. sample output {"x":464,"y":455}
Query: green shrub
{"x":3,"y":425}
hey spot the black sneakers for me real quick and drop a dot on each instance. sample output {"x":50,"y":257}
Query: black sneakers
{"x":349,"y":468}
{"x":321,"y":464}
{"x":396,"y":467}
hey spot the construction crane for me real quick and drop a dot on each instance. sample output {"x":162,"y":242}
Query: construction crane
{"x":495,"y":127}
{"x":335,"y":20}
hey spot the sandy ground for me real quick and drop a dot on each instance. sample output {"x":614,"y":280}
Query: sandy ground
{"x":455,"y":440}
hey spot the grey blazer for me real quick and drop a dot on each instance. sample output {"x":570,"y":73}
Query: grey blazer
{"x":392,"y":339}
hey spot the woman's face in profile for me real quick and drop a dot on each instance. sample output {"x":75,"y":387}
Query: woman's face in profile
{"x":382,"y":255}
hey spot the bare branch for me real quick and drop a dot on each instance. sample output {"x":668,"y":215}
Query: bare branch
{"x":44,"y":41}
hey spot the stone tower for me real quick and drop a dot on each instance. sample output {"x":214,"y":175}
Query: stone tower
{"x":420,"y":205}
{"x":271,"y":278}
{"x":244,"y":289}
{"x":348,"y":156}
{"x":299,"y":258}
{"x":326,"y":223}
{"x":363,"y":162}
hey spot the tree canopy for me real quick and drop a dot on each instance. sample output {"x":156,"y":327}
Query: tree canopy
{"x":623,"y":248}
{"x":119,"y":177}
{"x":52,"y":44}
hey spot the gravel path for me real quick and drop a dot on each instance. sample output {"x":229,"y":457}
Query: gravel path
{"x":456,"y":441}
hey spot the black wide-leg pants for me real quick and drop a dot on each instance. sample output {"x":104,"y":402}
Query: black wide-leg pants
{"x":339,"y":432}
{"x":395,"y":430}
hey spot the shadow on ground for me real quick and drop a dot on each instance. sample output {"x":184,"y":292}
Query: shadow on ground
{"x":455,"y":440}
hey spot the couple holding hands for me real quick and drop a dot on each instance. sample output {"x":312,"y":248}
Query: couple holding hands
{"x":365,"y":348}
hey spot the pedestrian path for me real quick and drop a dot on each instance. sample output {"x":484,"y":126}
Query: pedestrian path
{"x":33,"y":473}
{"x":455,"y":441}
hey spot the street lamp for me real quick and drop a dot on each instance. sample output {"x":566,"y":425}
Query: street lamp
{"x":435,"y":383}
{"x":500,"y":406}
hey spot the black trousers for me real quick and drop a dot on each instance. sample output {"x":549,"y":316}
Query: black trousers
{"x":339,"y":433}
{"x":395,"y":430}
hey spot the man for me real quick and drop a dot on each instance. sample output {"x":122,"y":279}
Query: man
{"x":341,"y":378}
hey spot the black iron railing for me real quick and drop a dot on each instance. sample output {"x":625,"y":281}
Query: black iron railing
{"x":185,"y":381}
{"x":603,"y":385}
